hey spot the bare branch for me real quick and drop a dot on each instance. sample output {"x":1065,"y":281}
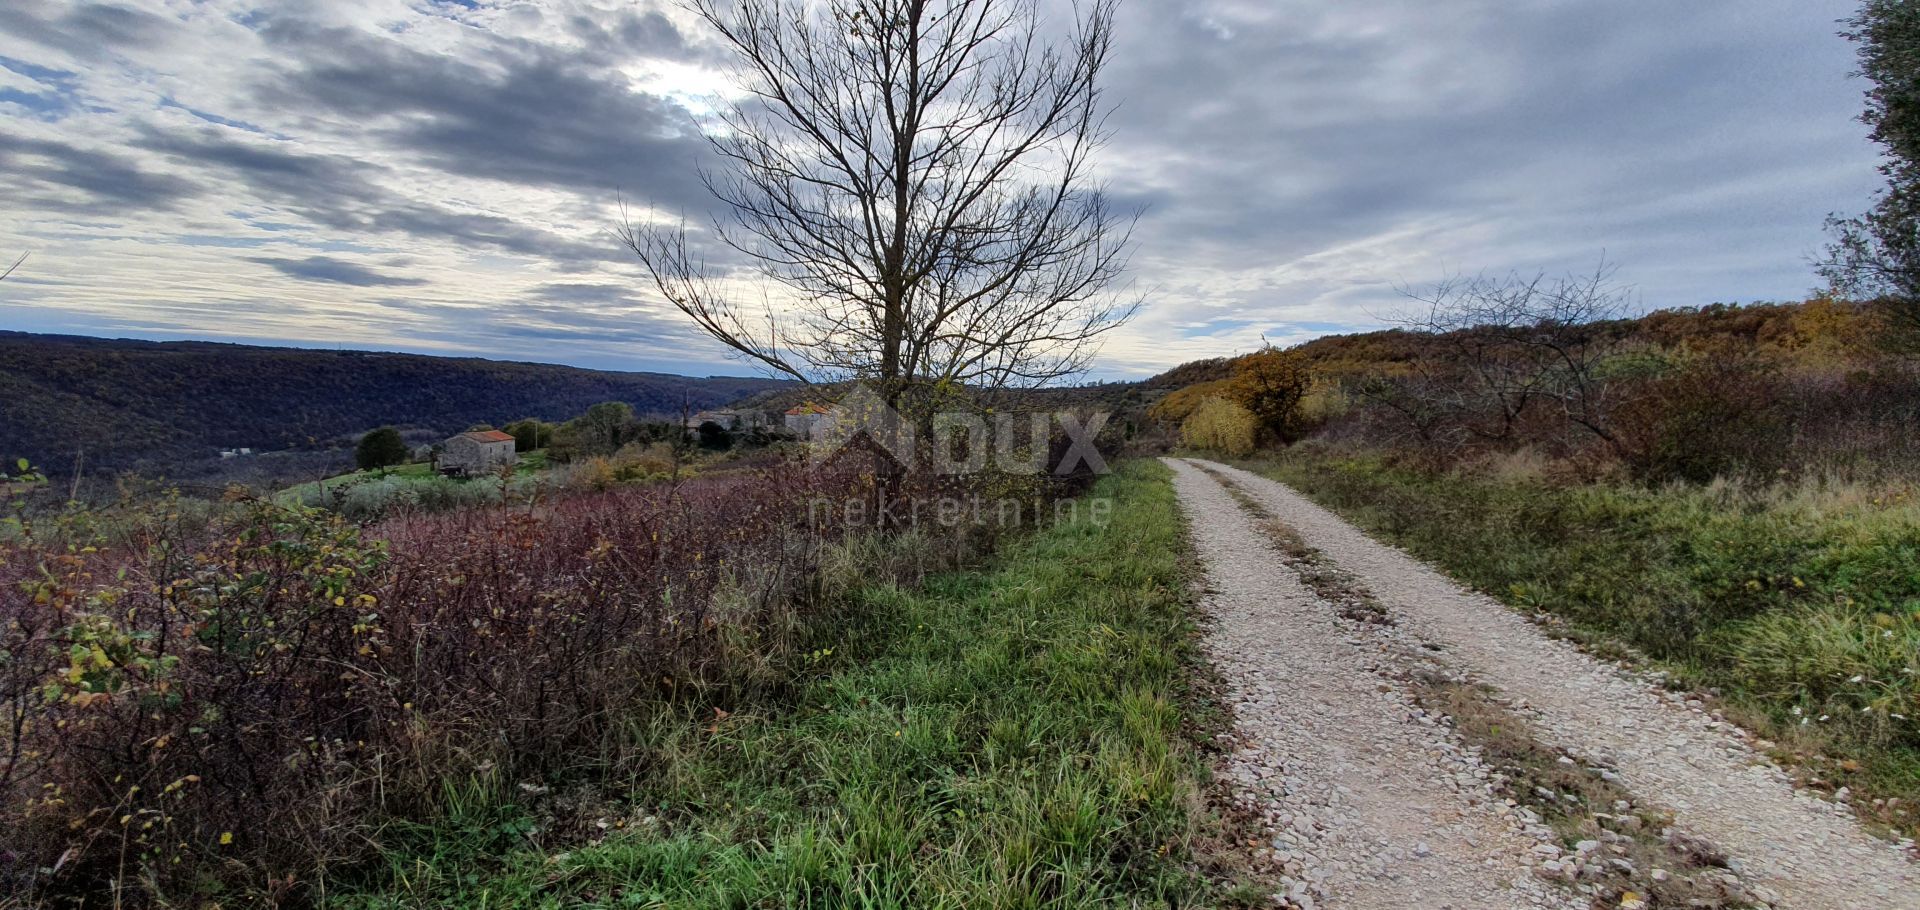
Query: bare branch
{"x":918,"y":176}
{"x":1520,"y":342}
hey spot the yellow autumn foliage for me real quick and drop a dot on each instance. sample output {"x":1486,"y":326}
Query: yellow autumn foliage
{"x":1181,"y":403}
{"x":1270,"y":383}
{"x":1219,"y":425}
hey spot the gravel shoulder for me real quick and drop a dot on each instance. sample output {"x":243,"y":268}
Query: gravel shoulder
{"x":1806,"y":852}
{"x":1366,"y":800}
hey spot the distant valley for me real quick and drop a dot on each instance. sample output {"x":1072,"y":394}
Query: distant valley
{"x":160,"y":407}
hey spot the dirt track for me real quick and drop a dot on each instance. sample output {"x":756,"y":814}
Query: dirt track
{"x":1379,"y":805}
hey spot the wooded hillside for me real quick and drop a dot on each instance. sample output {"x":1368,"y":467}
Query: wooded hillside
{"x":1689,"y":393}
{"x":150,"y":404}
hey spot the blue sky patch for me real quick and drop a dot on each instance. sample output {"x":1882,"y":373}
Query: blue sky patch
{"x":213,"y":118}
{"x":62,"y":95}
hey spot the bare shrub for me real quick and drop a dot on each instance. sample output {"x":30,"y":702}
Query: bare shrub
{"x":256,"y":700}
{"x":1504,"y":348}
{"x":1707,"y":418}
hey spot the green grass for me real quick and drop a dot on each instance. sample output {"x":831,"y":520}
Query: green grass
{"x":531,"y":462}
{"x":418,"y":469}
{"x":417,"y":472}
{"x":1018,"y":736}
{"x":1799,"y":603}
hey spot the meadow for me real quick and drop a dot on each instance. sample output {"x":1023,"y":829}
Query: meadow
{"x":415,"y":487}
{"x":704,"y":693}
{"x":1021,"y":734}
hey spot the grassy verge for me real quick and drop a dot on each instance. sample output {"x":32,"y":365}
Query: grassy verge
{"x":1799,"y":606}
{"x":1010,"y":737}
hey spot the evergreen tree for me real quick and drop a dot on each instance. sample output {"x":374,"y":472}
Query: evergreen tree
{"x":381,"y":448}
{"x":529,"y":434}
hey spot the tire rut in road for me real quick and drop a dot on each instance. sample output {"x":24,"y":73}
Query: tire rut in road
{"x":1367,"y":799}
{"x":1624,"y":853}
{"x":1808,"y":853}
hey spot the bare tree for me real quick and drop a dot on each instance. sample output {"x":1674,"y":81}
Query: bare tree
{"x":1519,"y":342}
{"x":919,"y":176}
{"x":1420,"y":400}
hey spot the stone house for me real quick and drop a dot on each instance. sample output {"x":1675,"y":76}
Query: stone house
{"x":476,"y":452}
{"x":808,"y":420}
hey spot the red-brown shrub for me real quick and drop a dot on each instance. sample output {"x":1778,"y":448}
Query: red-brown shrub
{"x":1713,"y":417}
{"x":244,"y":706}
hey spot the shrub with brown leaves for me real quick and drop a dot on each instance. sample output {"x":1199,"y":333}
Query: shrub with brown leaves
{"x":236,"y":707}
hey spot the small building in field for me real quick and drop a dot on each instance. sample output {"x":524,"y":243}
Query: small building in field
{"x":807,"y":420}
{"x":476,"y":452}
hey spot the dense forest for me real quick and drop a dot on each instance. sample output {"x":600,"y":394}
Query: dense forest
{"x":152,"y":405}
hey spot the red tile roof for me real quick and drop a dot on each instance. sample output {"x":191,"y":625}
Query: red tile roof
{"x":488,"y":436}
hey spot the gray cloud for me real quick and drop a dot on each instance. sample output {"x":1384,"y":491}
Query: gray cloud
{"x":580,"y":292}
{"x":337,"y":271}
{"x":525,"y":113}
{"x":602,"y":327}
{"x":340,"y":193}
{"x":626,"y":34}
{"x":1562,"y":128}
{"x":33,"y":169}
{"x":1296,"y":158}
{"x":85,"y":30}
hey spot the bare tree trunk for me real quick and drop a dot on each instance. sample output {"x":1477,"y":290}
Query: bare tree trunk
{"x":917,"y":175}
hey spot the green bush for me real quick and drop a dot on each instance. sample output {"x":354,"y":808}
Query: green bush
{"x":529,"y":434}
{"x":381,"y":448}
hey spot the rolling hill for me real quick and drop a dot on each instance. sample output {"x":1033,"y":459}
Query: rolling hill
{"x":150,"y":405}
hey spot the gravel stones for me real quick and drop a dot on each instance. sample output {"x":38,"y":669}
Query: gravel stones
{"x":1365,"y":800}
{"x":1799,"y":850}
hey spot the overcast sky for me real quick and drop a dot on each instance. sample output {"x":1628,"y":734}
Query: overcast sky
{"x":441,"y":175}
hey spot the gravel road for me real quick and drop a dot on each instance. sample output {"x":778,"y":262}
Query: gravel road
{"x":1367,"y":800}
{"x":1378,"y":804}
